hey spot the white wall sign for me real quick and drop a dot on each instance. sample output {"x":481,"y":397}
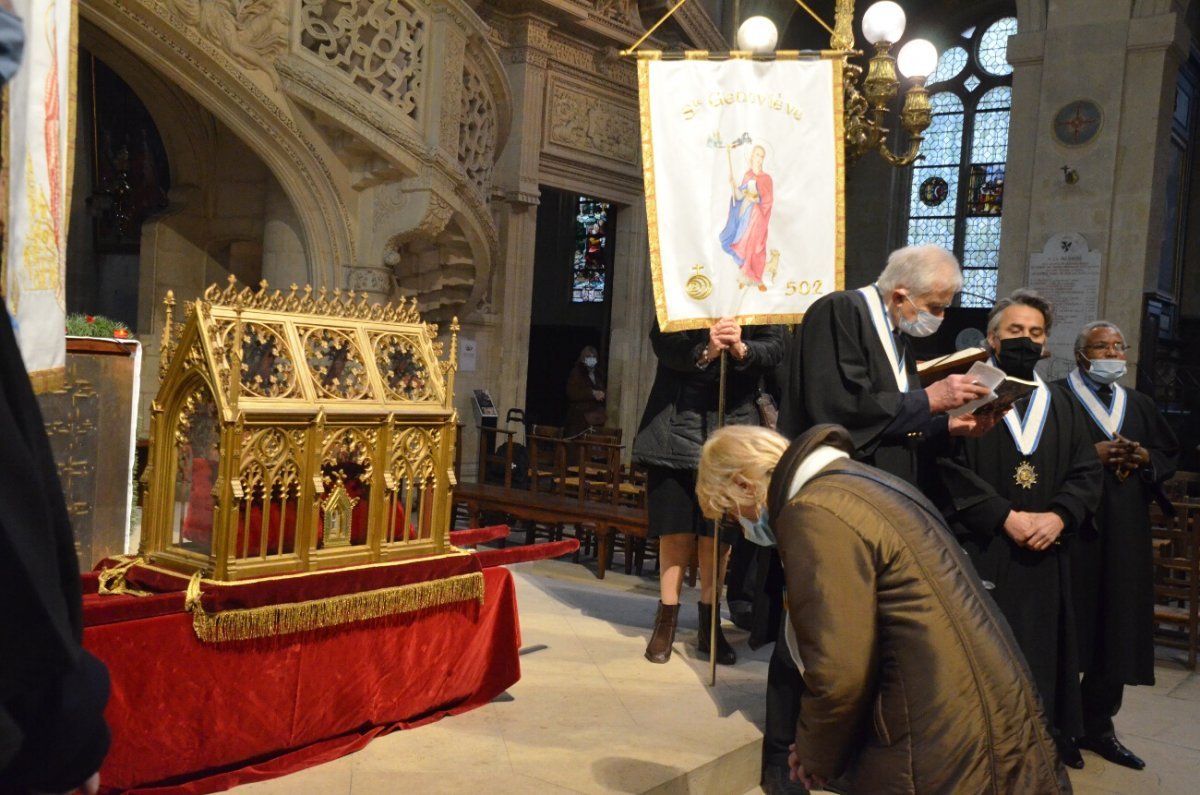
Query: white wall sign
{"x":1068,"y":274}
{"x":467,"y":351}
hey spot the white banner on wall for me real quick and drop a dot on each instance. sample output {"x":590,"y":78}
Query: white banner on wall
{"x":38,"y":140}
{"x":744,"y":178}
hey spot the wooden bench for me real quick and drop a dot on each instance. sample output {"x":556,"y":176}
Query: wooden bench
{"x":603,"y":518}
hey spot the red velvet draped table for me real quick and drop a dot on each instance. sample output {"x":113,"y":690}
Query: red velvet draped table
{"x":194,"y":717}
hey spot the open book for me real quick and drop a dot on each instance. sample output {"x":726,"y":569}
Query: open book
{"x":1005,"y":390}
{"x":950,"y":364}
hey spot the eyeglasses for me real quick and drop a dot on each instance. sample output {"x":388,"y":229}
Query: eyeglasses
{"x":1105,"y":347}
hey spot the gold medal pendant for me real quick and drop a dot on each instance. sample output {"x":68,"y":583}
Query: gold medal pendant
{"x":1025,"y":476}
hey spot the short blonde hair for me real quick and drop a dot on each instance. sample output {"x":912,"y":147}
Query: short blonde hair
{"x":744,"y":450}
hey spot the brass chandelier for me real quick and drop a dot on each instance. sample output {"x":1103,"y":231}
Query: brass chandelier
{"x":865,"y":109}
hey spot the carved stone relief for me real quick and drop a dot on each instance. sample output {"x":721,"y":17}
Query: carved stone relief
{"x":253,"y":32}
{"x":623,"y":12}
{"x":381,"y":48}
{"x":591,"y":124}
{"x":477,"y":130}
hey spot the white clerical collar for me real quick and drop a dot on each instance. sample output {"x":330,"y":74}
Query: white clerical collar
{"x":884,"y":327}
{"x":1109,"y":418}
{"x":1027,"y":431}
{"x":813,"y":463}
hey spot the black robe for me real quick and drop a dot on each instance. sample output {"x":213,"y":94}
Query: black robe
{"x":1111,"y":561}
{"x":839,"y":373}
{"x":1033,"y":589}
{"x":52,"y":692}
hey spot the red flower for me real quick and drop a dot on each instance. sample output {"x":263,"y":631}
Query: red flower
{"x":121,"y":333}
{"x":90,"y":318}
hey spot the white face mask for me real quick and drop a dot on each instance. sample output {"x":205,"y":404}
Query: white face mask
{"x":925,"y":325}
{"x":759,"y":531}
{"x":1106,"y":371}
{"x":589,"y":361}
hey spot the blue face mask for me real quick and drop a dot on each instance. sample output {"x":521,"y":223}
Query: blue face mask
{"x":758,"y":531}
{"x":12,"y":45}
{"x":1106,"y":371}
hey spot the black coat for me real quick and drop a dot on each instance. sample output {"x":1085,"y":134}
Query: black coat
{"x":52,"y":692}
{"x":681,"y":411}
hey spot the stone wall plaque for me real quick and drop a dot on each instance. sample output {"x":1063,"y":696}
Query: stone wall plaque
{"x":1068,"y":274}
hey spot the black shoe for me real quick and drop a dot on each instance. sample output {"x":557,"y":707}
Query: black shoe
{"x":725,"y":653}
{"x":1111,"y":749}
{"x":1068,"y":751}
{"x":777,"y":780}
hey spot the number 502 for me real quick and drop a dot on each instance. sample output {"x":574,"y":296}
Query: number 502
{"x":803,"y":288}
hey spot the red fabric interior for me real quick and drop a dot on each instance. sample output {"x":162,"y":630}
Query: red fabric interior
{"x":196,"y":718}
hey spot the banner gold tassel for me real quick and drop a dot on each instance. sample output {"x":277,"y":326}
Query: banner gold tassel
{"x":284,"y":619}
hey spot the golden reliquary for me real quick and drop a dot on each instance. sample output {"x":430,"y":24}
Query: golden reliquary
{"x":294,"y":432}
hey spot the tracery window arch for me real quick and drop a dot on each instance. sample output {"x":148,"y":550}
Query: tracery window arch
{"x":956,"y":194}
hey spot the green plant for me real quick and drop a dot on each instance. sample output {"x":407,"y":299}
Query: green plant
{"x":80,"y":325}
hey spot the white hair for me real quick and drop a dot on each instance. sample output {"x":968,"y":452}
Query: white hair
{"x":921,"y":269}
{"x":1085,"y":332}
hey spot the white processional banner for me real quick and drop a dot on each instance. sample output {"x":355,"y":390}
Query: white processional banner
{"x":38,"y":143}
{"x":744,"y":187}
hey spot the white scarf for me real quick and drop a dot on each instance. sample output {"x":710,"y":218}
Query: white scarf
{"x":1027,"y":431}
{"x":883,"y":328}
{"x":1108,"y":418}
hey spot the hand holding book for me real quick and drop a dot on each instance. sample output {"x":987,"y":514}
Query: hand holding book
{"x":1003,"y":391}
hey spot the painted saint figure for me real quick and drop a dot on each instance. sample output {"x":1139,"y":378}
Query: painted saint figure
{"x":745,"y":234}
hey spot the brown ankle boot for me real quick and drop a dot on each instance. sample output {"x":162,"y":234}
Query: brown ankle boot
{"x":659,"y":648}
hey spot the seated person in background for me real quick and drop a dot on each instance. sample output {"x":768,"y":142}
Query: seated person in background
{"x":914,"y":682}
{"x":585,"y":394}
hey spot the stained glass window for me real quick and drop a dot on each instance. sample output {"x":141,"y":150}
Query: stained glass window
{"x":956,"y":194}
{"x":591,"y":242}
{"x":993,"y":46}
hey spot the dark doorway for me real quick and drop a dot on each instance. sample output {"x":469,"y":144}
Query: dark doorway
{"x":122,"y":178}
{"x":572,"y":296}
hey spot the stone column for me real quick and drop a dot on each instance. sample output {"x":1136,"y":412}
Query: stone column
{"x":284,"y":261}
{"x":631,"y":361}
{"x":1128,"y":66}
{"x":376,"y":282}
{"x":516,"y":175}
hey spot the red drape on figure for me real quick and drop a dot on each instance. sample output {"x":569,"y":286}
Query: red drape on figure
{"x":752,"y":248}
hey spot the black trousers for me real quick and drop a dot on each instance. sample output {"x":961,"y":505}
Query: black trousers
{"x":1101,"y":701}
{"x":785,"y":685}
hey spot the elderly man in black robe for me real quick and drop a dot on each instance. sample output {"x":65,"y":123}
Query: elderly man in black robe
{"x":850,"y":364}
{"x":1111,"y":562}
{"x":1016,"y":496}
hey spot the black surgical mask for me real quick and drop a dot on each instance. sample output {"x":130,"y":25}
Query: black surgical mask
{"x":1018,"y":356}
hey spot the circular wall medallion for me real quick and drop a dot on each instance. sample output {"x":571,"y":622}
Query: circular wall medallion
{"x":934,"y":191}
{"x":1078,"y":122}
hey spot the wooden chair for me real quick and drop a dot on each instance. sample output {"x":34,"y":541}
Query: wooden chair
{"x":547,"y":470}
{"x":1177,"y":577}
{"x":547,"y":458}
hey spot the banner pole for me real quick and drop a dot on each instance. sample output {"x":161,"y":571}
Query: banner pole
{"x":716,"y":569}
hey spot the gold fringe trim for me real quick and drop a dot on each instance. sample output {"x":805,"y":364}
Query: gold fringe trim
{"x":112,"y":581}
{"x":285,"y":619}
